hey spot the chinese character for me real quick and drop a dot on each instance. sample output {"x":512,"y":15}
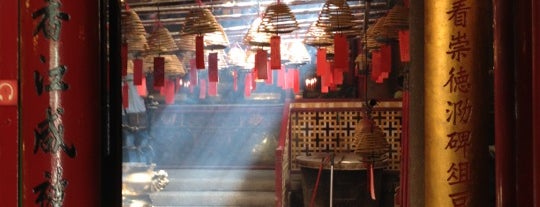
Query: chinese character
{"x":50,"y":137}
{"x":459,"y":111}
{"x":458,"y":13}
{"x":56,"y":76}
{"x":460,"y":199}
{"x":458,"y":173}
{"x":51,"y":192}
{"x":50,"y":23}
{"x":458,"y":46}
{"x":459,"y":141}
{"x":459,"y":80}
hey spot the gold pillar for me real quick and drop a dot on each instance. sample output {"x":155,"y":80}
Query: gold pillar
{"x":456,"y":102}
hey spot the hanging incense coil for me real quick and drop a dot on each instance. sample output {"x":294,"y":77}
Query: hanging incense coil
{"x":173,"y":65}
{"x":335,"y":16}
{"x":186,"y":42}
{"x":255,"y":38}
{"x":318,"y":37}
{"x":397,"y":17}
{"x":217,"y":40}
{"x":200,"y":21}
{"x":369,"y":140}
{"x":295,"y":53}
{"x":161,"y":41}
{"x":133,"y":31}
{"x":278,"y":19}
{"x":370,"y":38}
{"x":236,"y":56}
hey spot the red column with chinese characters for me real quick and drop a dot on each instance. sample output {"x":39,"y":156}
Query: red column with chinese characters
{"x":8,"y":104}
{"x":60,"y":95}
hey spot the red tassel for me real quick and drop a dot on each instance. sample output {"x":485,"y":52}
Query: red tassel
{"x":137,"y":71}
{"x":213,"y":67}
{"x":404,"y":46}
{"x":159,"y":71}
{"x":371,"y":182}
{"x":199,"y":51}
{"x":261,"y":64}
{"x":212,"y":88}
{"x":202,"y":91}
{"x":125,"y":95}
{"x":341,"y":51}
{"x":247,"y":85}
{"x":124,"y":58}
{"x":141,"y":89}
{"x":169,"y":91}
{"x":321,"y":61}
{"x":275,"y":53}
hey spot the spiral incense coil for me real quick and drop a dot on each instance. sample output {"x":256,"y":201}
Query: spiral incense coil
{"x":278,"y":18}
{"x":161,"y":41}
{"x":397,"y":17}
{"x":255,"y":38}
{"x":369,"y":140}
{"x":217,"y":40}
{"x":335,"y":15}
{"x":133,"y":31}
{"x":200,"y":21}
{"x":318,"y":37}
{"x":186,"y":42}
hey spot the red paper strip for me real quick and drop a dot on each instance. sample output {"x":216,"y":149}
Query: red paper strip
{"x":159,"y":71}
{"x":404,"y":54}
{"x":282,"y":78}
{"x":375,"y":64}
{"x":269,"y":73}
{"x":371,"y":182}
{"x":337,"y":76}
{"x":169,"y":91}
{"x":296,"y":81}
{"x":253,"y":80}
{"x":247,"y":85}
{"x":386,"y":62}
{"x":124,"y":58}
{"x":275,"y":52}
{"x":202,"y":91}
{"x":213,"y":67}
{"x":137,"y":71}
{"x":125,"y":95}
{"x":341,"y":51}
{"x":235,"y":80}
{"x":321,"y":60}
{"x":212,"y":88}
{"x":193,"y":73}
{"x":141,"y":89}
{"x":261,"y":64}
{"x":199,"y":51}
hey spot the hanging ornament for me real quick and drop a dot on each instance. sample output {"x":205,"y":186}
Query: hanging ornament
{"x":213,"y":67}
{"x":137,"y":71}
{"x":159,"y":71}
{"x":275,"y":52}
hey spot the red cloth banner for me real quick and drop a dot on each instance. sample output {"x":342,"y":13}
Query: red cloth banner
{"x":213,"y":67}
{"x":202,"y":91}
{"x":193,"y":73}
{"x":141,"y":89}
{"x":261,"y":64}
{"x":159,"y":71}
{"x":199,"y":51}
{"x":124,"y":58}
{"x":321,"y":61}
{"x":212,"y":88}
{"x":404,"y":53}
{"x":169,"y":91}
{"x":125,"y":95}
{"x":341,"y":51}
{"x":247,"y":85}
{"x":275,"y":52}
{"x":137,"y":71}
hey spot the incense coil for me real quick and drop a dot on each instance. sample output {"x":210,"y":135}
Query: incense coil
{"x":186,"y":42}
{"x":335,"y":15}
{"x":173,"y":65}
{"x":134,"y":33}
{"x":397,"y":17}
{"x":217,"y":40}
{"x":318,"y":37}
{"x":161,"y":41}
{"x":255,"y":38}
{"x":278,"y":18}
{"x":200,"y":21}
{"x":369,"y":140}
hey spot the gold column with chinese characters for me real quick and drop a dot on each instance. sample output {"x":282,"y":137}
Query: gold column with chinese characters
{"x":456,"y":102}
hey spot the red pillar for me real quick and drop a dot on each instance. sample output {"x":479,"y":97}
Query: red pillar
{"x":60,"y":86}
{"x":8,"y":113}
{"x":536,"y":98}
